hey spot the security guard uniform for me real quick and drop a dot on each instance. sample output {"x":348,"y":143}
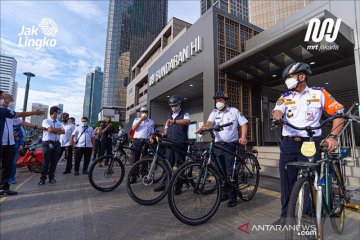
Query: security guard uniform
{"x":178,"y":134}
{"x":227,"y":138}
{"x":300,"y":109}
{"x":141,"y":136}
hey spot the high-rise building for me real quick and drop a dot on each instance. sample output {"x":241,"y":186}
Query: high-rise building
{"x":238,"y":8}
{"x":37,"y":120}
{"x":92,"y":99}
{"x":7,"y":74}
{"x":132,"y":26}
{"x":265,"y":13}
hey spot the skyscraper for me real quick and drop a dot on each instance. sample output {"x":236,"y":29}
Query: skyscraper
{"x":238,"y":8}
{"x":92,"y":99}
{"x":132,"y":26}
{"x":7,"y":74}
{"x":37,"y":120}
{"x":265,"y":13}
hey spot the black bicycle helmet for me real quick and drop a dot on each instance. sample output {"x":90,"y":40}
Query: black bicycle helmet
{"x":294,"y":68}
{"x":220,"y":94}
{"x":174,"y":100}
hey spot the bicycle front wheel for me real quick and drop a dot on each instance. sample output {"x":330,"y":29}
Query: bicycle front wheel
{"x":148,"y":187}
{"x":302,"y":211}
{"x":248,"y":177}
{"x":195,"y":193}
{"x":106,"y":176}
{"x":337,"y":218}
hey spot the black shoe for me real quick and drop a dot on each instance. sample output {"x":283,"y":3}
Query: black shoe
{"x":232,"y":202}
{"x":224,"y":197}
{"x":42,"y":182}
{"x":85,"y":172}
{"x":66,"y":172}
{"x":159,"y":188}
{"x":281,"y":221}
{"x":52,"y":180}
{"x":8,"y":192}
{"x":76,"y":173}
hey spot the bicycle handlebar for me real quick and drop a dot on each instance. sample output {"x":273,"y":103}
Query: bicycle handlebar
{"x":216,"y":128}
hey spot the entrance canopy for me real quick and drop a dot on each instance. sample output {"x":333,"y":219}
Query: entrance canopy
{"x":271,"y":50}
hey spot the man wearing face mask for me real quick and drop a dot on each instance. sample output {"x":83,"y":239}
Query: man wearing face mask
{"x":176,"y":130}
{"x":144,"y":129}
{"x":84,"y":140}
{"x":228,"y":138}
{"x":301,"y":106}
{"x":65,"y":142}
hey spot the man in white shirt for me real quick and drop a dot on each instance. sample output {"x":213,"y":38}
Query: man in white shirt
{"x":65,"y":142}
{"x":83,"y":138}
{"x":50,"y":145}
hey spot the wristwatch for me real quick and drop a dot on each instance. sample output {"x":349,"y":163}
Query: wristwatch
{"x":334,"y":136}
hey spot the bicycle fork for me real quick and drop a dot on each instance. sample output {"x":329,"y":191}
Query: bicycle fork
{"x":318,"y":190}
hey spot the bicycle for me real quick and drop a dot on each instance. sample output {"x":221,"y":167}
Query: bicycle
{"x":312,"y":199}
{"x":153,"y":172}
{"x":203,"y":188}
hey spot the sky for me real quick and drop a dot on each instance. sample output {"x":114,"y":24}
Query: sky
{"x":80,"y":46}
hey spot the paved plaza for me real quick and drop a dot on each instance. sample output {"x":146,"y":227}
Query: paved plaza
{"x":72,"y":209}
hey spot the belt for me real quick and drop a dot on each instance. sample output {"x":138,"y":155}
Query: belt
{"x":225,"y":143}
{"x":299,"y":139}
{"x":51,"y":141}
{"x":141,"y":139}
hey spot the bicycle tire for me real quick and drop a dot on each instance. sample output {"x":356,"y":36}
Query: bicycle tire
{"x":116,"y":182}
{"x":290,"y":220}
{"x":171,"y":193}
{"x":338,"y":226}
{"x":151,"y":197}
{"x":242,"y":176}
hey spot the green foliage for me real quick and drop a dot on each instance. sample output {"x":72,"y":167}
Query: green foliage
{"x":114,"y":123}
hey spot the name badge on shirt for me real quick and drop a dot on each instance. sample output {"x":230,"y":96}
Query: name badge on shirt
{"x":309,"y":116}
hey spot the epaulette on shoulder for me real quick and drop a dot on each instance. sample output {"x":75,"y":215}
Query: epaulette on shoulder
{"x":285,"y":94}
{"x":317,"y":88}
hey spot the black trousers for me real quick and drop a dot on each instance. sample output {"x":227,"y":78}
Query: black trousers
{"x":106,"y":148}
{"x":68,"y":156}
{"x":7,"y":153}
{"x":176,"y":157}
{"x":79,"y":153}
{"x":138,"y":147}
{"x":97,"y":148}
{"x":290,"y":151}
{"x":51,"y":152}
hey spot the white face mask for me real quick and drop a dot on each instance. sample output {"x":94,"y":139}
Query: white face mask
{"x":220,"y":105}
{"x":84,"y":124}
{"x":175,"y":109}
{"x":144,"y":115}
{"x":1,"y":102}
{"x":291,"y":82}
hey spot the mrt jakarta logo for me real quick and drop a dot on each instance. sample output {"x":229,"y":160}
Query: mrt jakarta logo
{"x":42,"y":35}
{"x":318,"y":31}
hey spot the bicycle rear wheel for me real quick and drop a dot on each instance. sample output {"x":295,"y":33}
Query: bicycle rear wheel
{"x":106,"y":178}
{"x":195,"y":193}
{"x":248,"y":177}
{"x":337,"y":219}
{"x":301,"y":211}
{"x":141,"y":184}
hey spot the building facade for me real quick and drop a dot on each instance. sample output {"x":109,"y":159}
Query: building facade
{"x":92,"y":98}
{"x":132,"y":26}
{"x":266,"y":13}
{"x":7,"y":75}
{"x":37,"y":120}
{"x":237,"y":8}
{"x":137,"y":88}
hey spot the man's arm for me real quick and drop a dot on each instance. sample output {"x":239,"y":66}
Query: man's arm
{"x":27,"y":114}
{"x":137,"y":124}
{"x":277,"y":114}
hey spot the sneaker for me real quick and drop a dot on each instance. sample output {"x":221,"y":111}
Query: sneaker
{"x":76,"y":173}
{"x":85,"y":172}
{"x":41,"y":182}
{"x":9,"y":192}
{"x":232,"y":202}
{"x":12,"y":181}
{"x":159,"y":188}
{"x":66,"y":172}
{"x":52,"y":180}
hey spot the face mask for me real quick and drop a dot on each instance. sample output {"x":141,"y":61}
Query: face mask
{"x":220,"y":105}
{"x":84,"y":124}
{"x":175,"y":109}
{"x":291,"y":82}
{"x":144,"y":114}
{"x":1,"y":102}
